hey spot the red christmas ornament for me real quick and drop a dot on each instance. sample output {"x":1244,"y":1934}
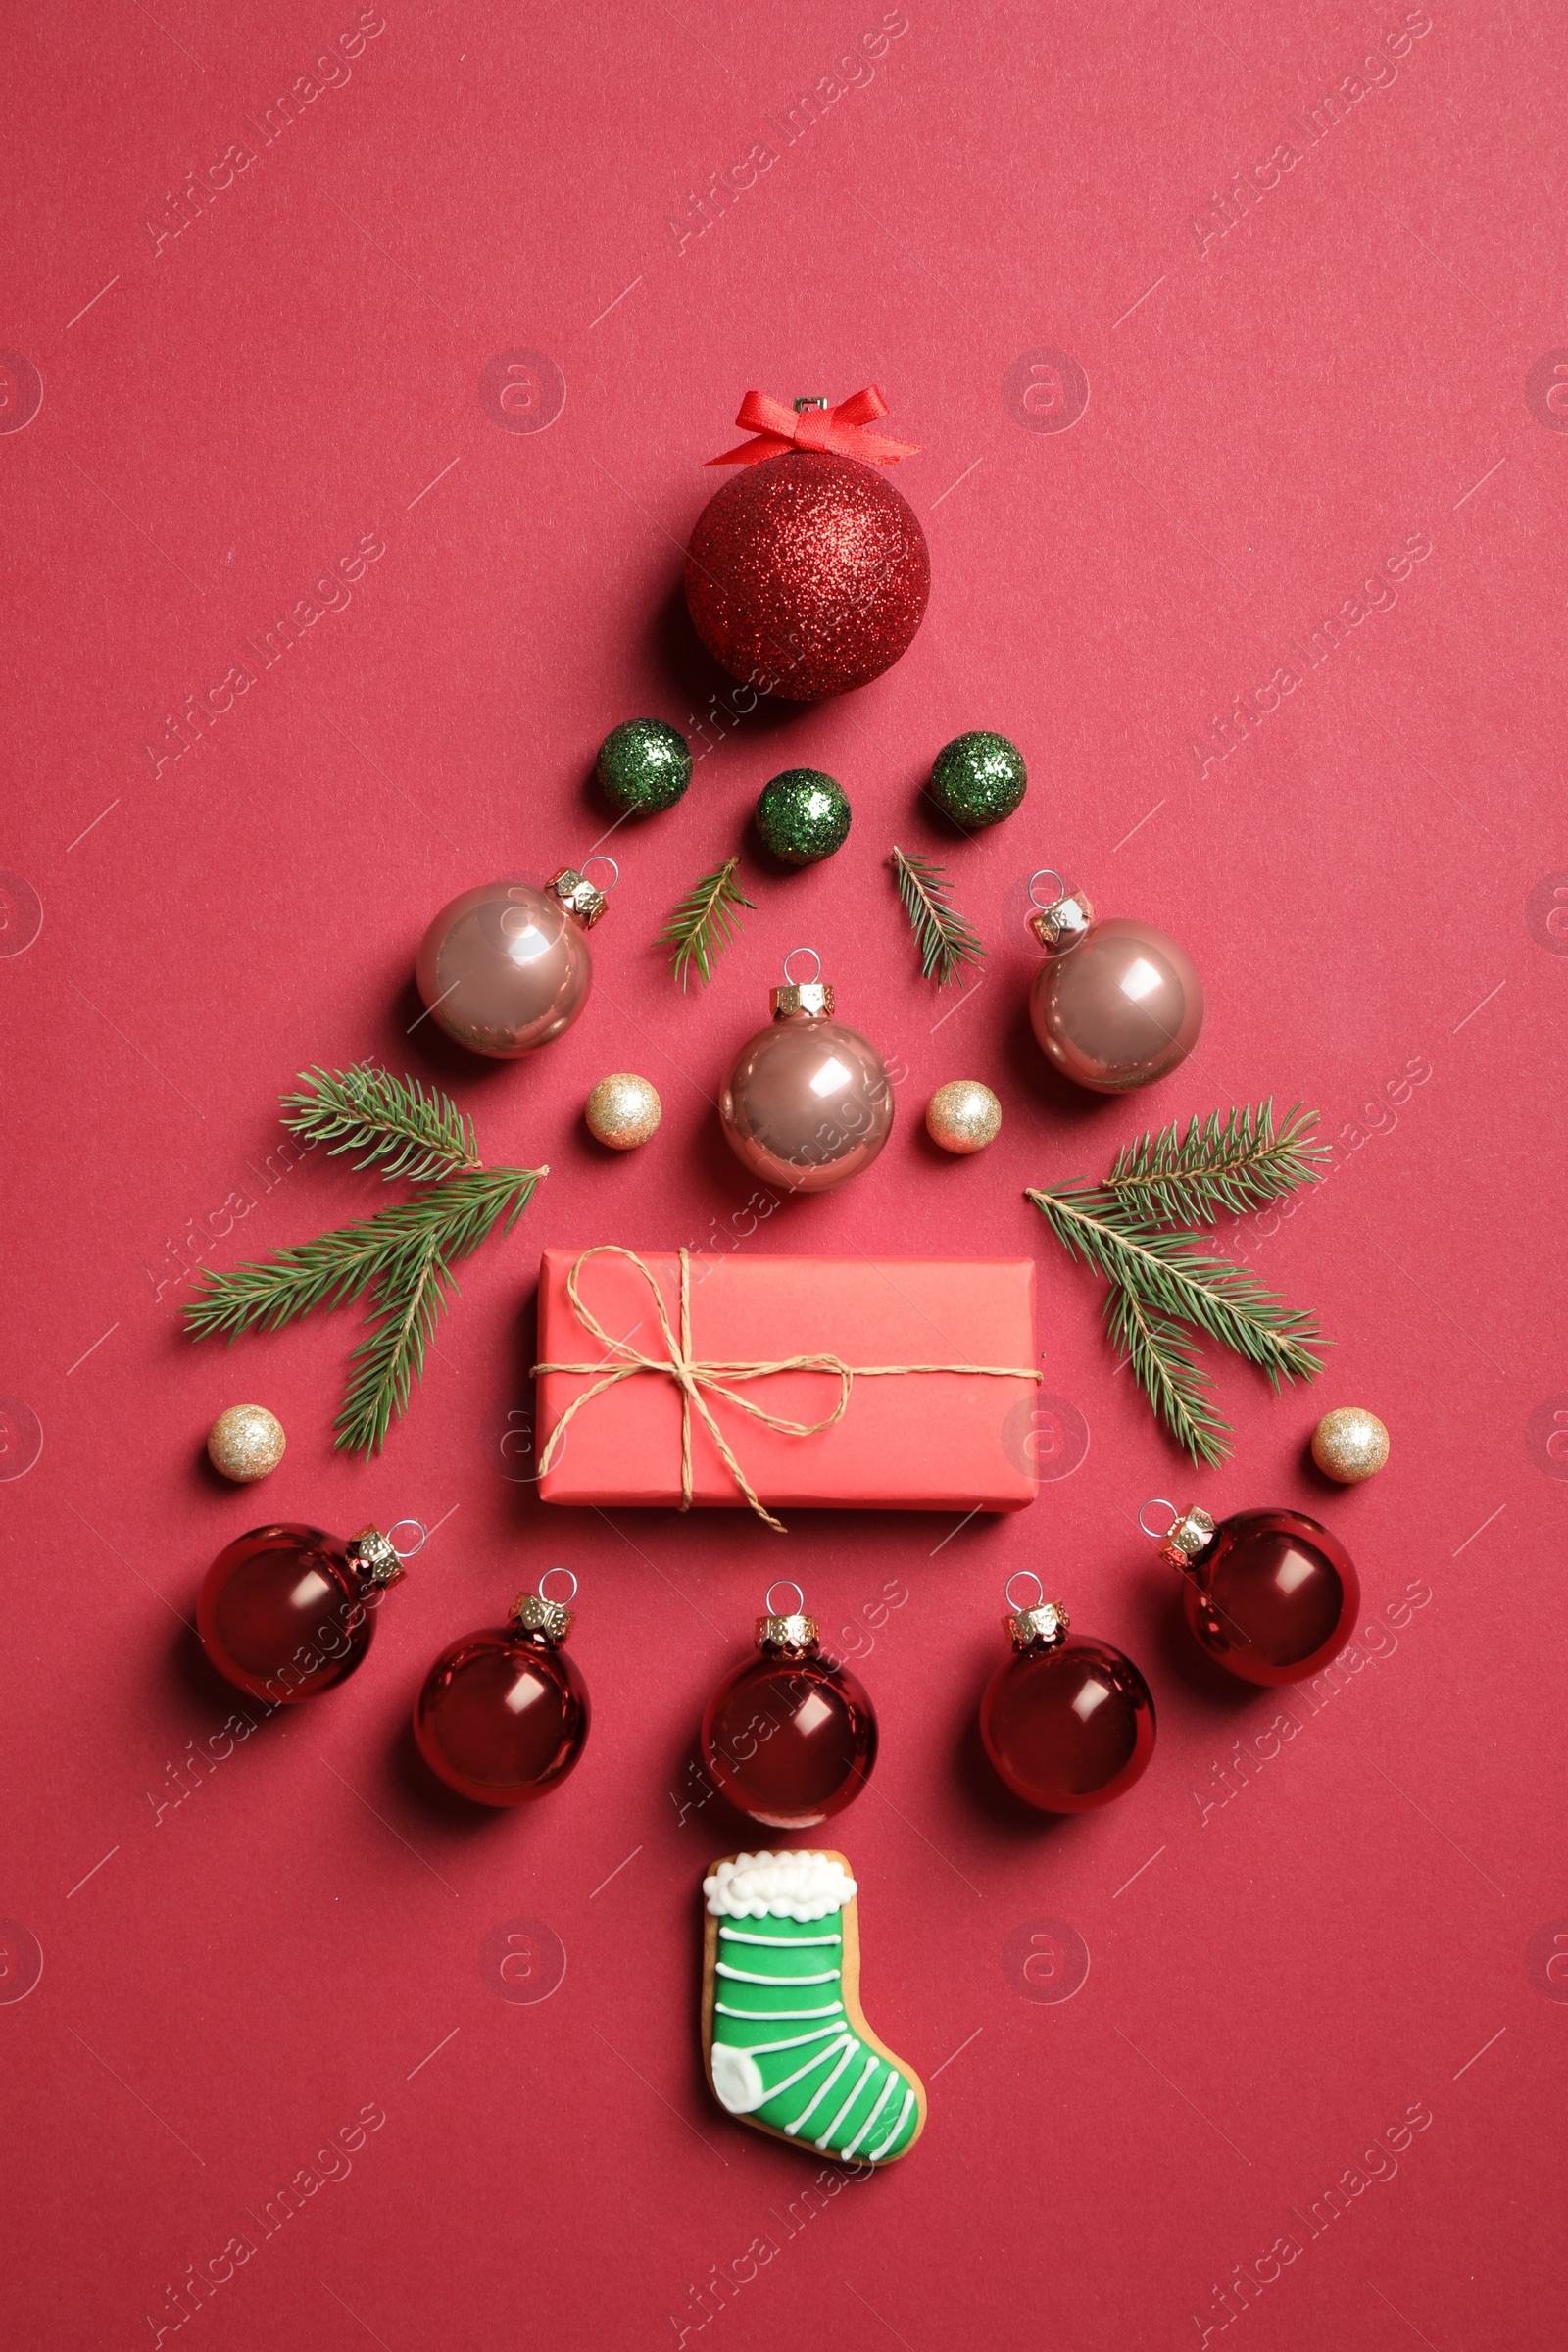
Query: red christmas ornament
{"x":809,"y":573}
{"x":503,"y":1715}
{"x":1271,"y":1595}
{"x":1116,"y":1004}
{"x":790,"y":1737}
{"x":286,"y":1611}
{"x":1067,"y":1722}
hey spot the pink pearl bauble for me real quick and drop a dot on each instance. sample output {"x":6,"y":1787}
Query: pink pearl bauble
{"x":807,"y":1102}
{"x":504,"y":969}
{"x":1120,"y":1009}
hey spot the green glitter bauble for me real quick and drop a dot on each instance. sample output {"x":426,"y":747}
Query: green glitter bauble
{"x":644,"y":765}
{"x":803,"y":815}
{"x":978,"y":779}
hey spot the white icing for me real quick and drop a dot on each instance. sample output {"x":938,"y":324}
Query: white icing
{"x":798,"y":1886}
{"x":882,"y":2146}
{"x":782,"y":1944}
{"x":871,"y":2064}
{"x":822,"y":2009}
{"x":849,"y":2045}
{"x":750,"y":1975}
{"x":737,"y":2080}
{"x":869,"y":2124}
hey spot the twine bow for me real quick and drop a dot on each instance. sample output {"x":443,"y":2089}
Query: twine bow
{"x":692,"y":1377}
{"x":844,"y":431}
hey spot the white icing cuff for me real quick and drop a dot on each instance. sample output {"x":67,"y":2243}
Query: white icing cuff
{"x":797,"y":1886}
{"x":737,"y":2080}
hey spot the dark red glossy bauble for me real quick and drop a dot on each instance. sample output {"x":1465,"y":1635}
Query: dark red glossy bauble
{"x":789,"y":1737}
{"x":286,"y":1611}
{"x":1273,"y":1598}
{"x":501,"y":1717}
{"x":1068,"y":1726}
{"x":807,"y":575}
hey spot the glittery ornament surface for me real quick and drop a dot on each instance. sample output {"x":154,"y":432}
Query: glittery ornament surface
{"x":807,"y":575}
{"x":803,"y":815}
{"x":246,"y":1443}
{"x":978,"y":779}
{"x":1350,"y":1445}
{"x":644,"y":765}
{"x":623,"y":1111}
{"x":963,"y":1116}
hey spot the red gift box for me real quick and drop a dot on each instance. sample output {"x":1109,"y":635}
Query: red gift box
{"x":856,"y":1383}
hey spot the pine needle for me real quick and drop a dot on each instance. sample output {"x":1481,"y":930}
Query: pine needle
{"x":1169,"y":1373}
{"x":945,"y":940}
{"x":401,"y":1257}
{"x":1161,"y":1282}
{"x":1237,"y":1166}
{"x":383,"y":1249}
{"x":704,"y":923}
{"x":392,"y":1358}
{"x":420,"y":1136}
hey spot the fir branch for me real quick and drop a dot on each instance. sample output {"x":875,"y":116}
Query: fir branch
{"x":1167,"y":1273}
{"x":1165,"y":1366}
{"x":704,"y":923}
{"x":946,"y":942}
{"x":402,"y":1255}
{"x":392,"y":1358}
{"x":391,"y":1120}
{"x":1165,"y":1178}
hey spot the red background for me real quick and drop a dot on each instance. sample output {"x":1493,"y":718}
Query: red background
{"x":228,"y":1981}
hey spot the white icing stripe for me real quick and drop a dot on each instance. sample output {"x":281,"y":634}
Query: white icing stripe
{"x":870,"y":2068}
{"x":783,"y":1943}
{"x":796,"y":2041}
{"x":827,"y":2009}
{"x":850,"y":2048}
{"x":869,"y":2124}
{"x":799,"y":1887}
{"x":746,"y":1976}
{"x":800,"y":2072}
{"x":871,"y":2154}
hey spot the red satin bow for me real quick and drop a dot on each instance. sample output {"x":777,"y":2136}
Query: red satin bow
{"x":844,"y":432}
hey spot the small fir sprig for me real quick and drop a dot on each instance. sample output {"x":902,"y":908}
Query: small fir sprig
{"x":1237,"y":1165}
{"x":400,"y":1259}
{"x":704,"y":923}
{"x":393,"y":1120}
{"x":1166,"y":1289}
{"x":945,"y":940}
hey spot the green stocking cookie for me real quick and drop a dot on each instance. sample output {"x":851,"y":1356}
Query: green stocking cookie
{"x":786,"y":2044}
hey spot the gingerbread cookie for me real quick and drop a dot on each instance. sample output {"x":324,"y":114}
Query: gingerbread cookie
{"x":785,"y":2043}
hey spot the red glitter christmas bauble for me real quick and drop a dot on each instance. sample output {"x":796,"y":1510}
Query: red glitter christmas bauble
{"x":807,"y":573}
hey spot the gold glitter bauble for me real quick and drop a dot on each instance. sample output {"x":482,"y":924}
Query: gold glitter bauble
{"x":246,"y":1443}
{"x":963,"y":1115}
{"x":1350,"y":1445}
{"x":623,"y":1111}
